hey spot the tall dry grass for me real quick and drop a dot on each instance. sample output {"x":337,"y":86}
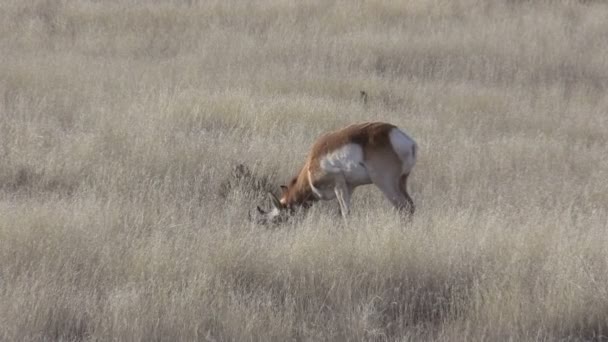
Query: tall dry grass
{"x":122,"y":120}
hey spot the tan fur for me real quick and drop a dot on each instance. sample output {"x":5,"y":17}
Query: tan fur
{"x":378,"y":153}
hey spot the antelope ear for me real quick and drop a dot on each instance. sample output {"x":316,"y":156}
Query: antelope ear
{"x":274,"y":200}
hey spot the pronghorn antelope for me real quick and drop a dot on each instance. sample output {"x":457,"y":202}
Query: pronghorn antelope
{"x":339,"y":161}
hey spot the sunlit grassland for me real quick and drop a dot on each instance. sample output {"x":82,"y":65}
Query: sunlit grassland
{"x":121,"y":122}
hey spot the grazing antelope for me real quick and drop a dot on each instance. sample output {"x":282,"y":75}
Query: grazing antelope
{"x":339,"y":161}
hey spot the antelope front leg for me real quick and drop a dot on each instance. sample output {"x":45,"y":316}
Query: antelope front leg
{"x":343,"y":192}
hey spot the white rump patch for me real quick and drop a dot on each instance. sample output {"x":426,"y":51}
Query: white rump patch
{"x":404,"y":147}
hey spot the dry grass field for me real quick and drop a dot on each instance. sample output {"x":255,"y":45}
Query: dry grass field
{"x":121,"y":122}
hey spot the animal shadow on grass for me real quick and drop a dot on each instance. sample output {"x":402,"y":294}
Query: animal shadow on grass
{"x":26,"y":181}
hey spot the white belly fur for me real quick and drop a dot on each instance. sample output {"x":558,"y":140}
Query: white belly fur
{"x":405,"y":148}
{"x":347,"y":160}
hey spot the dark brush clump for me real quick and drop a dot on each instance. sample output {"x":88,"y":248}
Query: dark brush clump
{"x":243,"y":179}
